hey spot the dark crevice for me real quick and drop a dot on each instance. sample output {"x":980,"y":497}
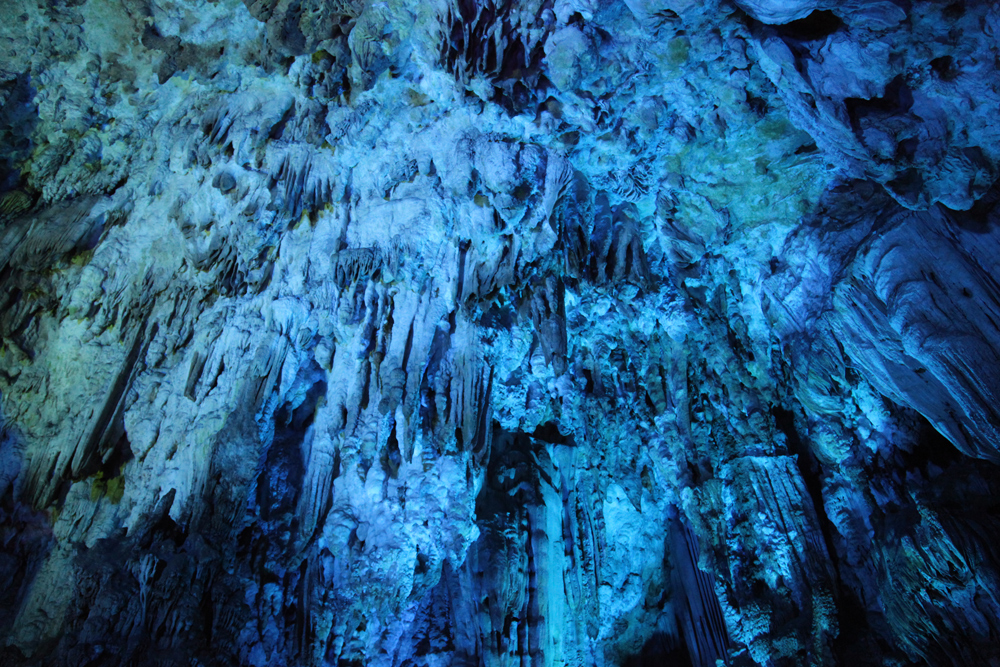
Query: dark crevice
{"x":944,"y":67}
{"x":897,"y":100}
{"x":818,"y":25}
{"x":810,"y":469}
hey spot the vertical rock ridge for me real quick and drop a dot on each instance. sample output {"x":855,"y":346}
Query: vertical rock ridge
{"x":489,"y":333}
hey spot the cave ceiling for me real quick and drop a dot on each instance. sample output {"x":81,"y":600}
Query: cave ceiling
{"x":491,"y":332}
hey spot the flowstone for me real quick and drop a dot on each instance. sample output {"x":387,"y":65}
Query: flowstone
{"x":498,"y":333}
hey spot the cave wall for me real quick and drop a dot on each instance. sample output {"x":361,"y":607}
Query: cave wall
{"x":555,"y":332}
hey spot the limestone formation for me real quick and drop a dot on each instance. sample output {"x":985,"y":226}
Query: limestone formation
{"x":483,"y":332}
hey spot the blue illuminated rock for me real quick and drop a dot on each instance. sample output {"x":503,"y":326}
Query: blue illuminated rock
{"x":473,"y":333}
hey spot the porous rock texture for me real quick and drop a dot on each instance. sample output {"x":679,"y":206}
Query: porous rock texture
{"x":496,"y":332}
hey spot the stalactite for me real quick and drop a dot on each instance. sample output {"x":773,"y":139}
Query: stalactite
{"x":483,"y":332}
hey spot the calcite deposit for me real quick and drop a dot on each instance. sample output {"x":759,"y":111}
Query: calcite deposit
{"x":490,"y":332}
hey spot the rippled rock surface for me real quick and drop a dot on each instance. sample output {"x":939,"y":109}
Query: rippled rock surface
{"x":555,"y":332}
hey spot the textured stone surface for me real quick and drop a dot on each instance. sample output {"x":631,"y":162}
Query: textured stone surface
{"x":495,"y":333}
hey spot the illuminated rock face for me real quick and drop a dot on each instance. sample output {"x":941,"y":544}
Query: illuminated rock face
{"x":462,"y":333}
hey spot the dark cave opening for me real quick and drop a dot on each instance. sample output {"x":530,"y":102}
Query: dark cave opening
{"x":820,"y":24}
{"x":284,"y":468}
{"x":661,"y":650}
{"x":549,"y":432}
{"x":929,"y":448}
{"x":897,"y":100}
{"x":944,"y":67}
